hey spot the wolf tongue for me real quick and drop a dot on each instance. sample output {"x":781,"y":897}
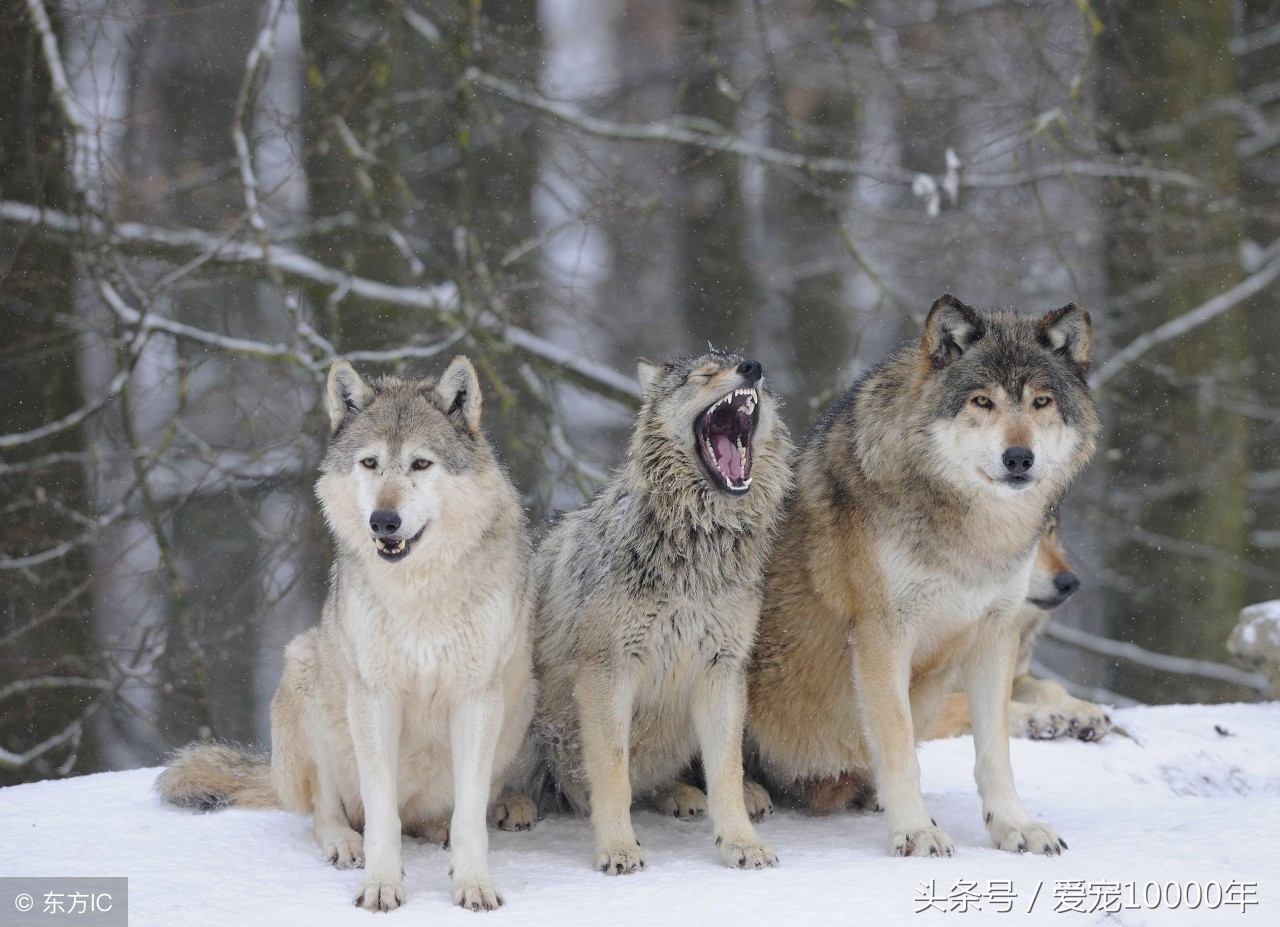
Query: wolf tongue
{"x":727,"y":457}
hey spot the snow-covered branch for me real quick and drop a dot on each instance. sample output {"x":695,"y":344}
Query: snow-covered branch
{"x":441,"y":299}
{"x":704,"y":133}
{"x":64,"y":98}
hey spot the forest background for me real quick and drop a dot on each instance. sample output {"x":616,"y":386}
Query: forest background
{"x":204,"y":202}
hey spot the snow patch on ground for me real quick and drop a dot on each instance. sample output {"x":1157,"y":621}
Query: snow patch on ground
{"x":1192,"y":795}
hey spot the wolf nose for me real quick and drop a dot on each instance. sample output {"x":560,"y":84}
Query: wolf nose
{"x":384,"y":523}
{"x":751,"y":369}
{"x":1066,"y":584}
{"x":1018,"y":460}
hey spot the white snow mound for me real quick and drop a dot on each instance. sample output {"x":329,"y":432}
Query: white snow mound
{"x":1166,"y":813}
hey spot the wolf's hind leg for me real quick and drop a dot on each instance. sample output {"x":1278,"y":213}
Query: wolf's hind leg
{"x":757,"y":799}
{"x":513,"y":811}
{"x":719,"y":703}
{"x":680,"y":800}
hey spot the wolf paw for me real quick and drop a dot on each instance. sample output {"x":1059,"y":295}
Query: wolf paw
{"x":1037,"y":722}
{"x":1087,"y":721}
{"x":925,"y":841}
{"x":344,"y":851}
{"x":746,"y":854}
{"x":476,"y":895}
{"x":380,"y":896}
{"x":433,"y":831}
{"x":513,"y":812}
{"x":683,"y":801}
{"x":1027,"y":837}
{"x":621,"y":859}
{"x":756,"y":796}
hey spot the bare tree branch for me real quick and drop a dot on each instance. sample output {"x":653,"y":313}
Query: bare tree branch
{"x":1175,"y":328}
{"x":52,"y":682}
{"x":1183,"y":666}
{"x":703,"y":133}
{"x":71,"y":419}
{"x":442,"y":299}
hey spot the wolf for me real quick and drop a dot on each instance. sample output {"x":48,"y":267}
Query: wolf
{"x":647,"y":608}
{"x":903,"y":556}
{"x":408,"y":702}
{"x":1040,"y":709}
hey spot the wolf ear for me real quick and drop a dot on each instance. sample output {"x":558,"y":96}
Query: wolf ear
{"x":949,"y":330}
{"x":348,"y":393}
{"x":1068,"y":332}
{"x":459,"y":390}
{"x":648,"y":373}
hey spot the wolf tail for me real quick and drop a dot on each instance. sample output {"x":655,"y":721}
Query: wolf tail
{"x":208,"y":777}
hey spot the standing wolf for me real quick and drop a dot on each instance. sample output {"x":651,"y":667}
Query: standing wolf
{"x":648,"y":602}
{"x":414,"y":693}
{"x":905,"y":553}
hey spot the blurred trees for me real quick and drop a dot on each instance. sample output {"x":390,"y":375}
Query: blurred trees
{"x":201,"y":208}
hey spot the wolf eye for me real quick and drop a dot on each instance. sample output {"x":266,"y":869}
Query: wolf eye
{"x":369,"y":463}
{"x":420,"y":464}
{"x":982,"y":402}
{"x":1041,"y":402}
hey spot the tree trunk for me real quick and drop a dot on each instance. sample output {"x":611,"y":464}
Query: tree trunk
{"x":1176,"y":452}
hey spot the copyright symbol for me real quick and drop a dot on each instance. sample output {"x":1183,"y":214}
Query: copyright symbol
{"x":24,"y":902}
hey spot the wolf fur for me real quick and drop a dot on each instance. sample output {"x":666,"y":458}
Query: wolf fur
{"x":648,"y":602}
{"x":905,"y":551}
{"x":405,"y":706}
{"x":1039,"y":708}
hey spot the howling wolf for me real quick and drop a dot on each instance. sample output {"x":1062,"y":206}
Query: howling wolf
{"x":648,"y":602}
{"x":905,"y":553}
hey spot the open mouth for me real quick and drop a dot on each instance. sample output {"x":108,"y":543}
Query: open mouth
{"x":723,"y":433}
{"x":395,"y":549}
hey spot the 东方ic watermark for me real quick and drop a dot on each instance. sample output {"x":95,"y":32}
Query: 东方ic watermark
{"x":70,"y":901}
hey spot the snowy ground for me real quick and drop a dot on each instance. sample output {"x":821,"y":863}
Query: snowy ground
{"x":1193,"y":796}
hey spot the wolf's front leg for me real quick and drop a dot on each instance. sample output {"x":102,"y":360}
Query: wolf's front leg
{"x":988,"y":677}
{"x":375,"y":718}
{"x":882,"y":676}
{"x":719,"y":703}
{"x":604,"y":716}
{"x":474,"y":728}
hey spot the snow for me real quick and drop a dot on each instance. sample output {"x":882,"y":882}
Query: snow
{"x":1185,"y":797}
{"x":1263,"y":618}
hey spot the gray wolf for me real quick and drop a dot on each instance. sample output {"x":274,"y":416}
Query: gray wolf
{"x":904,"y":554}
{"x":1039,"y":708}
{"x":405,"y":706}
{"x":647,"y":609}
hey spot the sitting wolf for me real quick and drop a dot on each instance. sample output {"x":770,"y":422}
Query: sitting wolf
{"x":905,"y":553}
{"x":648,"y":602}
{"x":405,"y":706}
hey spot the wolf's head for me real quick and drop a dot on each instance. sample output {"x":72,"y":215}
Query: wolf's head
{"x":1052,"y":579}
{"x":1006,"y":394}
{"x":406,"y":461}
{"x":713,"y":408}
